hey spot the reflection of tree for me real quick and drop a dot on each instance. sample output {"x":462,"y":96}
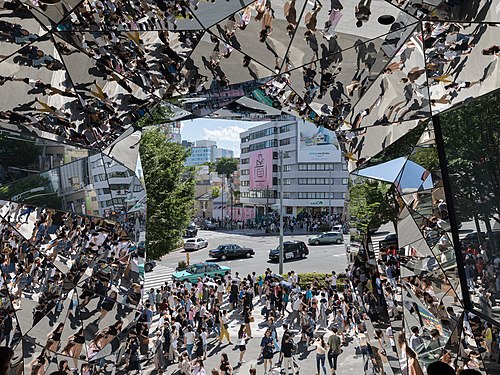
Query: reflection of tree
{"x":18,"y":153}
{"x":170,"y":191}
{"x":158,"y":115}
{"x":45,"y":198}
{"x":368,"y":203}
{"x":426,"y":157}
{"x":472,"y":141}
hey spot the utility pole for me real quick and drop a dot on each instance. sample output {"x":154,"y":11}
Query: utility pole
{"x":222,"y":195}
{"x":330,"y":197}
{"x":281,"y":213}
{"x":231,"y":196}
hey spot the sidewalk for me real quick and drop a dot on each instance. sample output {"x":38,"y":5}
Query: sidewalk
{"x":305,"y":357}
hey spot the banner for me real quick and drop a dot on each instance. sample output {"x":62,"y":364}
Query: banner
{"x":316,"y":144}
{"x":261,"y":169}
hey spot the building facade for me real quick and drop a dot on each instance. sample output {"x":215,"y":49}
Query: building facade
{"x":205,"y":151}
{"x":314,"y":178}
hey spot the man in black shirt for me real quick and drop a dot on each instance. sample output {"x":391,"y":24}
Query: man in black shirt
{"x":287,"y":349}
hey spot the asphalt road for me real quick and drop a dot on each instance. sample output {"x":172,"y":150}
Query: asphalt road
{"x":322,"y":258}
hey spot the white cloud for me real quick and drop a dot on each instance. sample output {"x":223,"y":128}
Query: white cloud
{"x":229,"y":133}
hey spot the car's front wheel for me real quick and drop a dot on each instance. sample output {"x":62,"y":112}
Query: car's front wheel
{"x":303,"y":255}
{"x":316,"y":242}
{"x":248,"y":255}
{"x":223,"y":257}
{"x":338,"y":242}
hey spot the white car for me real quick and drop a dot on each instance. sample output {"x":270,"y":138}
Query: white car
{"x":195,"y":244}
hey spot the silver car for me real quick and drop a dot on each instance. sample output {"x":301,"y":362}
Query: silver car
{"x":195,"y":244}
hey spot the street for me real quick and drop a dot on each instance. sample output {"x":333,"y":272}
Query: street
{"x":315,"y":262}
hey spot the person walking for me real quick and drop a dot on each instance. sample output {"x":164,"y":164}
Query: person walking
{"x":334,"y":350}
{"x":224,"y":365}
{"x":267,"y":350}
{"x":321,"y":349}
{"x":287,"y":349}
{"x":242,"y":343}
{"x":223,"y":327}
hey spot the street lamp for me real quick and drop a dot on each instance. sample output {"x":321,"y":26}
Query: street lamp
{"x":281,"y":212}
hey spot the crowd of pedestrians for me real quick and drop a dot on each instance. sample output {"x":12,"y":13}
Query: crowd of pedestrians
{"x":70,"y":285}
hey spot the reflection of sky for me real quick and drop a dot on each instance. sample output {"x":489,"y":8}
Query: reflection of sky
{"x":412,"y":177}
{"x":387,"y":171}
{"x":409,"y":175}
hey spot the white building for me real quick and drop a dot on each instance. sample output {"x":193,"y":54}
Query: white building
{"x":314,"y":178}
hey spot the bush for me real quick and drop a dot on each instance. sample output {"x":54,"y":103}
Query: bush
{"x":181,"y":265}
{"x":307,"y":279}
{"x":325,"y":228}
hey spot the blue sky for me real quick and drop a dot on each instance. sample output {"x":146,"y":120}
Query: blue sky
{"x":225,"y":132}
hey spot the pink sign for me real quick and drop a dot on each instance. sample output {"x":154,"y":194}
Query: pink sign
{"x":261,"y":169}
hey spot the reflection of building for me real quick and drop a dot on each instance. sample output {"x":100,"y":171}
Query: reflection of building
{"x":206,"y":151}
{"x":307,"y":179}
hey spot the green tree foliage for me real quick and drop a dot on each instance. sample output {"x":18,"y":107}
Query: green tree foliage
{"x":215,"y":192}
{"x":226,"y":166}
{"x":158,"y":115}
{"x":427,"y":157}
{"x":367,"y":202}
{"x":18,"y":153}
{"x":170,"y":191}
{"x":472,"y":142}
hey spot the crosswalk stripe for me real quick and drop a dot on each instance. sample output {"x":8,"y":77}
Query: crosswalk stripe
{"x":157,"y":278}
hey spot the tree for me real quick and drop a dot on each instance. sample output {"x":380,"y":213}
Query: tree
{"x":158,"y":115}
{"x":18,"y":153}
{"x":215,"y":192}
{"x":226,"y":166}
{"x":471,"y":135}
{"x":170,"y":191}
{"x":371,"y":203}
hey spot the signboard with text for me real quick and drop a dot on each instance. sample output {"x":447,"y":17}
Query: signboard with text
{"x":261,"y":169}
{"x":316,"y":144}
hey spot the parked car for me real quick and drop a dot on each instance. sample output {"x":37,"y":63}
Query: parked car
{"x":191,"y":273}
{"x":191,"y":230}
{"x":291,"y":250}
{"x":208,"y":225}
{"x":389,"y":240}
{"x":231,"y":251}
{"x":471,"y":239}
{"x":327,"y":238}
{"x":195,"y":244}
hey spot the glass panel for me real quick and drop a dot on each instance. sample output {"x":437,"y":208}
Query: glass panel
{"x":471,"y":135}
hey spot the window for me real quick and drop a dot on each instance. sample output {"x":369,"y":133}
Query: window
{"x":275,"y":167}
{"x":262,"y":145}
{"x":100,"y":177}
{"x":287,"y":181}
{"x":97,"y":163}
{"x":344,"y":181}
{"x":344,"y":167}
{"x":316,"y":167}
{"x":245,"y":161}
{"x":285,"y":128}
{"x":245,"y":172}
{"x":286,"y":168}
{"x":245,"y":183}
{"x":285,"y":142}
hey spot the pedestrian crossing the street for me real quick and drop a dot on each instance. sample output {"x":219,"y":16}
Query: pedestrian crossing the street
{"x":156,"y":278}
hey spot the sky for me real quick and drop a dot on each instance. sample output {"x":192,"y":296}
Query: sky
{"x":225,"y":132}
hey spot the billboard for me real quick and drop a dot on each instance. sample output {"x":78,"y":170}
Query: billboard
{"x":261,"y":169}
{"x":316,"y":144}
